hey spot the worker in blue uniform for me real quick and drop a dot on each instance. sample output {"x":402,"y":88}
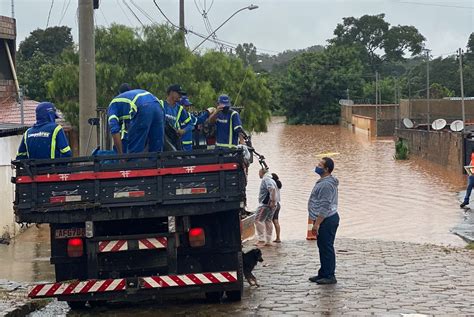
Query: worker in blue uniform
{"x":176,"y":116}
{"x":146,"y":121}
{"x":228,"y":124}
{"x":46,"y":139}
{"x":187,"y":138}
{"x":118,"y":116}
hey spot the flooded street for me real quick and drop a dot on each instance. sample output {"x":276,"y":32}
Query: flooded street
{"x":379,"y":197}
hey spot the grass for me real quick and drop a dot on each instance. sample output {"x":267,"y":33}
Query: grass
{"x":470,"y":246}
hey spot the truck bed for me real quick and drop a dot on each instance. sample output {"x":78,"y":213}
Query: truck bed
{"x":130,"y":186}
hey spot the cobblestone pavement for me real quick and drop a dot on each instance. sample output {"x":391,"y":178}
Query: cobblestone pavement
{"x":374,"y":278}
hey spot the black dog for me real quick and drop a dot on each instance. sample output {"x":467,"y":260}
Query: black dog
{"x":250,"y":259}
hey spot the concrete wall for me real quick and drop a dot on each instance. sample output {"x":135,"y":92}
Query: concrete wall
{"x":441,"y":147}
{"x":364,"y":125}
{"x":9,"y":147}
{"x":386,"y":117}
{"x":417,"y":109}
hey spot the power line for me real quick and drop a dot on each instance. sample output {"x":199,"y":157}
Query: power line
{"x":64,"y":12}
{"x":124,"y":13}
{"x":103,"y":15}
{"x":49,"y":14}
{"x":437,"y":5}
{"x":162,"y":13}
{"x":136,"y":17}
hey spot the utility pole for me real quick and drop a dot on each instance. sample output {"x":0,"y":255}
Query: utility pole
{"x":348,"y":97}
{"x":87,"y":84}
{"x":462,"y":88}
{"x":376,"y":87}
{"x":13,"y":9}
{"x":428,"y":86}
{"x":181,"y":19}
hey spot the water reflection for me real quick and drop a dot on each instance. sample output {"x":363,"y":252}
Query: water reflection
{"x":380,"y":198}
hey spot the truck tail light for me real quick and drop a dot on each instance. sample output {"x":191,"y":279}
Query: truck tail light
{"x":75,"y":248}
{"x":197,"y":237}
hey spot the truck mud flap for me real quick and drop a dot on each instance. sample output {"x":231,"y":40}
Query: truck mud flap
{"x":62,"y":289}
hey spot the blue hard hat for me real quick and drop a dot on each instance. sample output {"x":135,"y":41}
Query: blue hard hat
{"x":124,"y":87}
{"x":46,"y":110}
{"x":184,"y":101}
{"x":224,"y":99}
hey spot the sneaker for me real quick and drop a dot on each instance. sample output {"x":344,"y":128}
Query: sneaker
{"x":326,"y":281}
{"x":314,"y":279}
{"x":464,"y":204}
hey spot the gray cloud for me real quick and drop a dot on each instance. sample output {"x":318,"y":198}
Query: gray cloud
{"x":276,"y":26}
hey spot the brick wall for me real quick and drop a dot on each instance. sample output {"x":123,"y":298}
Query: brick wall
{"x":7,"y":37}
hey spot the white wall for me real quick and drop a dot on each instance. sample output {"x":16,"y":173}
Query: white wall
{"x":8,"y":150}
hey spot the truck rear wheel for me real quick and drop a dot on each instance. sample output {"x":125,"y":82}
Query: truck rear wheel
{"x":214,"y":297}
{"x":76,"y":305}
{"x":234,"y":296}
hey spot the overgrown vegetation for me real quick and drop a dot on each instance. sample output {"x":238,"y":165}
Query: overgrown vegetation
{"x":401,"y":150}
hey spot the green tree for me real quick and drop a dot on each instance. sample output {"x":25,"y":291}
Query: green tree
{"x":317,"y":81}
{"x":372,"y":34}
{"x":37,"y":57}
{"x":51,"y":42}
{"x":247,"y":52}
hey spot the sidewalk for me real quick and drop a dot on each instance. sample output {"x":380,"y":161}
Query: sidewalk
{"x":374,"y":278}
{"x":466,"y":228}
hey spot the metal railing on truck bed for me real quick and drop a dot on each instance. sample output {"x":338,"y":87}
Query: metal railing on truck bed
{"x":128,"y":186}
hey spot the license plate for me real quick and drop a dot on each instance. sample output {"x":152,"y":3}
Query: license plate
{"x":70,"y":233}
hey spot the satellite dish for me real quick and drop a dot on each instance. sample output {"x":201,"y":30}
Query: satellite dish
{"x":408,"y":123}
{"x":438,"y":124}
{"x":456,"y":126}
{"x":346,"y":102}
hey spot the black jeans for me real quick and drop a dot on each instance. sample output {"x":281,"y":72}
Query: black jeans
{"x":327,"y":255}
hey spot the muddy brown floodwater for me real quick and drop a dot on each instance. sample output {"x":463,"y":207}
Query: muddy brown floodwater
{"x":379,"y":197}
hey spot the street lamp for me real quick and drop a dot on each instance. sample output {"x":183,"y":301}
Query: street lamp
{"x":250,"y":7}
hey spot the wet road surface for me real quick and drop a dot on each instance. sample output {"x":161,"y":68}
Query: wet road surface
{"x":380,"y":199}
{"x":374,"y":277}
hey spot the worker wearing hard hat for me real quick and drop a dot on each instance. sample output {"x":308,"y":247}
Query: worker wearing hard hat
{"x":228,"y":124}
{"x":187,"y":138}
{"x":46,"y":139}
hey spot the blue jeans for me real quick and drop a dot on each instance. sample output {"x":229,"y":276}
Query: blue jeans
{"x":327,"y":255}
{"x":146,"y":127}
{"x":470,"y":185}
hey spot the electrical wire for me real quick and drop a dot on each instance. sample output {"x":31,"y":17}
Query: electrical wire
{"x":49,"y":14}
{"x":136,"y":17}
{"x":164,"y":15}
{"x":437,"y":5}
{"x":64,"y":12}
{"x":103,"y":15}
{"x":124,"y":13}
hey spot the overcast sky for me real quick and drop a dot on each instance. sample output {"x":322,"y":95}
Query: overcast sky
{"x":275,"y":26}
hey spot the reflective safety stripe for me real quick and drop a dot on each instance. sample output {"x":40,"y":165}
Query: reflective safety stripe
{"x":113,"y":117}
{"x":161,"y":103}
{"x":25,"y":137}
{"x":231,"y":146}
{"x":187,"y":142}
{"x":125,"y":117}
{"x":53,"y":141}
{"x":123,"y":130}
{"x":187,"y":120}
{"x":231,"y":131}
{"x":132,"y":103}
{"x":22,"y":154}
{"x":176,"y":124}
{"x":239,"y":126}
{"x":66,"y":149}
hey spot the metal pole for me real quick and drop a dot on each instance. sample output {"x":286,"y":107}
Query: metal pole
{"x":462,"y":89}
{"x":181,"y":18}
{"x":22,"y":113}
{"x":428,"y":86}
{"x":376,"y":88}
{"x":250,"y":7}
{"x":87,"y":84}
{"x":13,"y":9}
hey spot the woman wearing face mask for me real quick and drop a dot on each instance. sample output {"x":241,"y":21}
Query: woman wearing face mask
{"x":322,"y":209}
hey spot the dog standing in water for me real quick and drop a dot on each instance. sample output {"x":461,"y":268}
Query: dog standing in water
{"x":250,"y":260}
